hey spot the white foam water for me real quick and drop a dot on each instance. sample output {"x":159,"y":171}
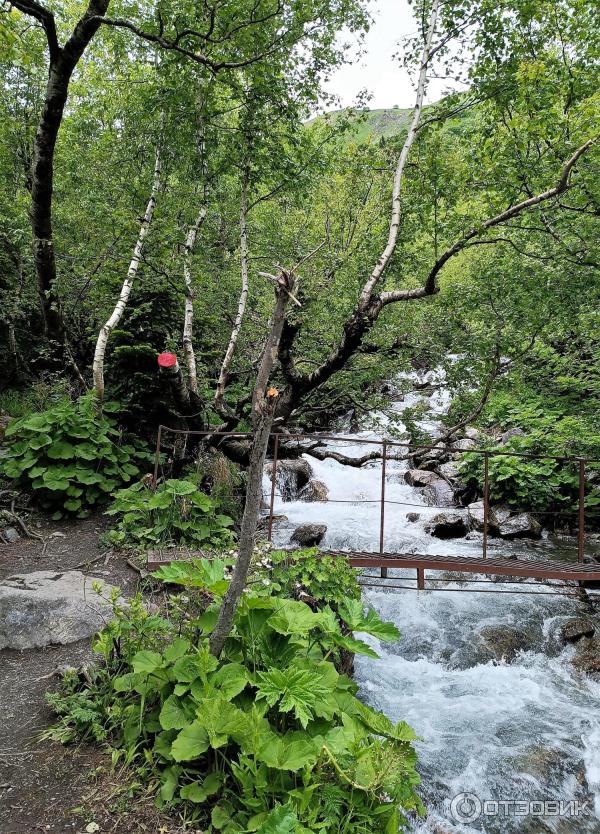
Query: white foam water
{"x":525,"y":731}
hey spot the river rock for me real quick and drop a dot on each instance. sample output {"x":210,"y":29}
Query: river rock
{"x":464,"y":445}
{"x":412,"y":517}
{"x":420,"y":477}
{"x":540,"y":762}
{"x":447,"y":526}
{"x":292,"y":476}
{"x":48,"y":607}
{"x":473,"y":434}
{"x":587,"y":656}
{"x":573,"y":630}
{"x":314,"y":491}
{"x":520,"y":526}
{"x":450,"y":470}
{"x":309,"y":535}
{"x":476,"y":520}
{"x":10,"y":535}
{"x":439,"y":493}
{"x":507,"y":435}
{"x":504,"y":642}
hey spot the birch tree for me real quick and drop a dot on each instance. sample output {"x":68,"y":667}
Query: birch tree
{"x":119,"y":309}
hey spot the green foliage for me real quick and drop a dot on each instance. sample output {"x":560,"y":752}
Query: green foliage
{"x":176,"y":513}
{"x":324,"y":578}
{"x":269,"y":737}
{"x":69,"y":456}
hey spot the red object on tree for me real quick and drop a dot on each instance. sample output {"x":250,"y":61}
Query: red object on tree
{"x":167,"y":360}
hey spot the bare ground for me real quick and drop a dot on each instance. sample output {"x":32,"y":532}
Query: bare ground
{"x":43,"y":785}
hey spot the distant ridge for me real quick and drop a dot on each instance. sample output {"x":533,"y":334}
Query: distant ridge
{"x":372,"y":124}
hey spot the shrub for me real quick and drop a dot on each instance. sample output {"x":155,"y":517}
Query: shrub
{"x":176,"y":513}
{"x":324,"y":578}
{"x":69,"y":456}
{"x":267,"y":738}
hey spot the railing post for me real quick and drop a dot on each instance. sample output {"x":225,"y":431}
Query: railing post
{"x":382,"y":517}
{"x":486,"y":500}
{"x":273,"y":482}
{"x":581,"y":532}
{"x":156,"y":460}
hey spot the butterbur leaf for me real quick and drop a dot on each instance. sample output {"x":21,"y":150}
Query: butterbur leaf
{"x":169,"y":779}
{"x":177,"y":649}
{"x":281,"y":820}
{"x":230,"y":680}
{"x":173,"y":715}
{"x":196,"y":792}
{"x":292,"y":617}
{"x":221,"y":720}
{"x":191,"y":742}
{"x":146,"y":661}
{"x":61,"y":450}
{"x":290,"y":752}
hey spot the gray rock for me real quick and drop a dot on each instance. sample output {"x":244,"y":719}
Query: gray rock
{"x":439,"y":494}
{"x":292,"y":476}
{"x":540,"y":762}
{"x":10,"y":535}
{"x":450,"y":470}
{"x":472,"y":433}
{"x":520,"y":526}
{"x":476,"y":518}
{"x":502,"y":513}
{"x":309,"y":535}
{"x":314,"y":491}
{"x":573,"y":630}
{"x":420,"y":477}
{"x":45,"y":607}
{"x":504,"y":642}
{"x":506,"y":436}
{"x":587,"y":657}
{"x":464,"y":445}
{"x":412,"y":517}
{"x":447,"y":526}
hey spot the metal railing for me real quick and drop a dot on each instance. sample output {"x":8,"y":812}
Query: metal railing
{"x":577,"y":514}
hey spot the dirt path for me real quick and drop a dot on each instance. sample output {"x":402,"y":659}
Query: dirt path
{"x":43,"y":785}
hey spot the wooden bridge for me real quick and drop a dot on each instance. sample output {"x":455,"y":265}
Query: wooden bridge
{"x":580,"y":570}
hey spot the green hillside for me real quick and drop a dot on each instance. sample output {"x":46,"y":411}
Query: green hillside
{"x":372,"y":124}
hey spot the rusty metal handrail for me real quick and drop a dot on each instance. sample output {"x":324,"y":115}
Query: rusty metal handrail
{"x":385,"y":443}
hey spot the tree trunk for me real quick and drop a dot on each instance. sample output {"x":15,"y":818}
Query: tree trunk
{"x":263,"y":411}
{"x":111,"y":323}
{"x":188,"y":317}
{"x":63,"y":61}
{"x":224,"y":374}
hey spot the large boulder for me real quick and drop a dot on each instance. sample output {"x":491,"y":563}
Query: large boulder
{"x":447,"y":526}
{"x":520,"y":526}
{"x":439,"y":493}
{"x":450,"y":471}
{"x":464,"y":445}
{"x":576,"y":628}
{"x":48,"y":607}
{"x":309,"y":535}
{"x":292,"y":476}
{"x":475,"y":516}
{"x":314,"y":491}
{"x":420,"y":477}
{"x":587,"y":656}
{"x":503,"y":642}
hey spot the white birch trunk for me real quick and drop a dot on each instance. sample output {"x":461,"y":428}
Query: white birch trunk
{"x":387,"y":253}
{"x":224,"y":374}
{"x":188,"y":316}
{"x":117,"y":313}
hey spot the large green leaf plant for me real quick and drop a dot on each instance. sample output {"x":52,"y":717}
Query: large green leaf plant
{"x":269,"y":737}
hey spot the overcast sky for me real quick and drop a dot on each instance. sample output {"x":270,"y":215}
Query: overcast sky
{"x":388,"y":83}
